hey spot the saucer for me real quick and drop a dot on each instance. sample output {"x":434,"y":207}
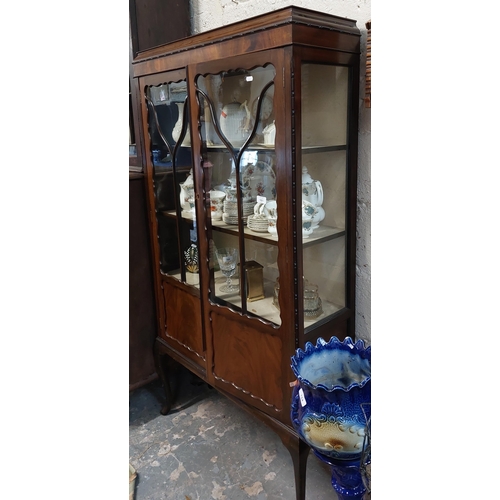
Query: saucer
{"x":232,"y":219}
{"x":257,"y":224}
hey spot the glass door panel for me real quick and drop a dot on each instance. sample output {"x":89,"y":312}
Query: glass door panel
{"x":238,"y":136}
{"x":324,"y":179}
{"x":173,"y":180}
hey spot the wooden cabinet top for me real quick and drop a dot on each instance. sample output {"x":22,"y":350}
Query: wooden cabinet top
{"x":286,"y":26}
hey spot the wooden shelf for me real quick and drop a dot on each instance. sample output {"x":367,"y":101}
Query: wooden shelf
{"x":264,"y":308}
{"x":319,"y":235}
{"x":305,"y":149}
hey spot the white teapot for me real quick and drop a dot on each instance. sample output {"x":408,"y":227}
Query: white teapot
{"x":312,"y":192}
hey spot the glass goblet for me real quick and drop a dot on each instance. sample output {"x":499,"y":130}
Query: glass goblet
{"x":227,"y":258}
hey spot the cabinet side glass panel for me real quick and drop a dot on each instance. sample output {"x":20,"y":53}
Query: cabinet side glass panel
{"x":324,"y":178}
{"x":238,"y":137}
{"x":173,"y":180}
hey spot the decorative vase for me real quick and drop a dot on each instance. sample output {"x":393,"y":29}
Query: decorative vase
{"x":328,"y":410}
{"x":176,"y":132}
{"x":191,"y":259}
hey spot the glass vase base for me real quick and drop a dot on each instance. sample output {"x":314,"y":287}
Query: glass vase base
{"x":346,"y":477}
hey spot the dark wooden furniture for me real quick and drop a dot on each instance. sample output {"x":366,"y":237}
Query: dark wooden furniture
{"x":296,"y":69}
{"x":142,"y":313}
{"x":152,"y":23}
{"x":156,"y":22}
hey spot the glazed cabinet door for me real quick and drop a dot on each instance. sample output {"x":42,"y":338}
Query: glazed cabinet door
{"x":240,"y":187}
{"x":240,"y":137}
{"x":170,"y":173}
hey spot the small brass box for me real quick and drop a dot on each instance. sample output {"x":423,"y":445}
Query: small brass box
{"x":255,"y":280}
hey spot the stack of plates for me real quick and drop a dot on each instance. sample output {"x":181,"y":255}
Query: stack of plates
{"x":258,"y":223}
{"x":232,"y":219}
{"x":230,"y":208}
{"x":230,"y":214}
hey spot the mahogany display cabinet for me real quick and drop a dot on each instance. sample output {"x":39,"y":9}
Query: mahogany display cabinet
{"x":250,"y":138}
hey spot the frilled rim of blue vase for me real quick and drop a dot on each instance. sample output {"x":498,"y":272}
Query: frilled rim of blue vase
{"x":333,"y":365}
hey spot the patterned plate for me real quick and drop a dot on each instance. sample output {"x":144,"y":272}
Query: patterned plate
{"x":260,"y":179}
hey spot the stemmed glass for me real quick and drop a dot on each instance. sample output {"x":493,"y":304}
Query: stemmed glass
{"x":227,"y":258}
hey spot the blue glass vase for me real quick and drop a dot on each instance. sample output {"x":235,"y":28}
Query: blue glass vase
{"x":334,"y":381}
{"x":331,"y":406}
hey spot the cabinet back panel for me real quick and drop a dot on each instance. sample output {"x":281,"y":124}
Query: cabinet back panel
{"x":183,"y":312}
{"x":247,"y":360}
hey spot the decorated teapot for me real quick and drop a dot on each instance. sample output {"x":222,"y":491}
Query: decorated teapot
{"x":312,"y":192}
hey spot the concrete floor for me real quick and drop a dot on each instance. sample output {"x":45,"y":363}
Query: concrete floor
{"x":208,"y":448}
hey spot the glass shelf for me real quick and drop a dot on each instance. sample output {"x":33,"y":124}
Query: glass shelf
{"x":322,"y":233}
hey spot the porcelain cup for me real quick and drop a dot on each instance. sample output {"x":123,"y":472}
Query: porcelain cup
{"x":187,"y":198}
{"x":217,"y":204}
{"x":272,"y":227}
{"x":231,"y":193}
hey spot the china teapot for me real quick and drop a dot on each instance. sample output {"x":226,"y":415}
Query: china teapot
{"x":312,"y":192}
